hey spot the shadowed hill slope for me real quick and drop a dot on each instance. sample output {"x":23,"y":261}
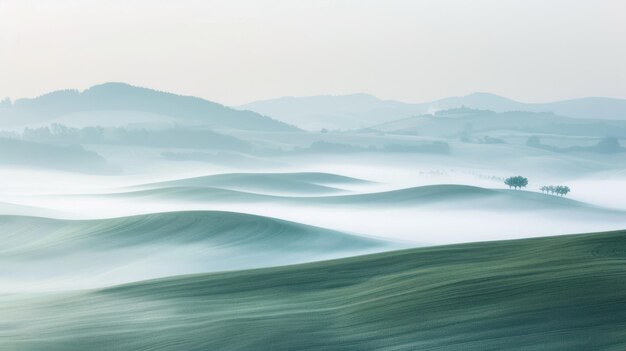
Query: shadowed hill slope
{"x":558,"y":293}
{"x":444,"y":195}
{"x":41,"y":251}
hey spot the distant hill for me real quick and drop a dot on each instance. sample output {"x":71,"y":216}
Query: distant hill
{"x":462,"y":196}
{"x":543,"y":294}
{"x":15,"y":152}
{"x":587,"y":107}
{"x":332,"y":112}
{"x":465,"y":121}
{"x":360,"y":110}
{"x":440,"y":196}
{"x":120,"y":97}
{"x":266,"y":183}
{"x":177,"y":137}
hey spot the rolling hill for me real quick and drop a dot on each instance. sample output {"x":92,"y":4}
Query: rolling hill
{"x":360,"y":110}
{"x":452,"y":196}
{"x":267,"y":183}
{"x":464,"y":121}
{"x":14,"y":152}
{"x":44,"y":254}
{"x":427,"y":215}
{"x":332,"y":112}
{"x":542,"y":294}
{"x":150,"y":104}
{"x":455,"y":195}
{"x":587,"y":107}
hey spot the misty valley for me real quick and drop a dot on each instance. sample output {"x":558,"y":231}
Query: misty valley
{"x":136,"y":219}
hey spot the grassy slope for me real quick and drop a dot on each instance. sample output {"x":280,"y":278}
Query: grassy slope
{"x":446,"y":195}
{"x":451,"y":195}
{"x":112,"y":251}
{"x":557,"y":293}
{"x":307,"y":183}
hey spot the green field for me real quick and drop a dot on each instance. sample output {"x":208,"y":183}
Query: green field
{"x":41,"y":253}
{"x":555,"y":293}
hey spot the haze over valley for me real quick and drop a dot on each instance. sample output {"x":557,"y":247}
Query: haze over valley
{"x":118,"y":184}
{"x":312,"y":175}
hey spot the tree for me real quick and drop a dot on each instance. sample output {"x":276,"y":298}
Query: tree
{"x":510,"y":182}
{"x":522,"y":182}
{"x":560,"y":190}
{"x":516,"y":182}
{"x":565,"y":190}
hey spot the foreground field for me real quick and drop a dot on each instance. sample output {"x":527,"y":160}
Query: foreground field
{"x":557,"y":293}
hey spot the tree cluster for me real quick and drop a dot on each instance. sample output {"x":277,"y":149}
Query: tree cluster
{"x":517,"y":182}
{"x":560,"y":190}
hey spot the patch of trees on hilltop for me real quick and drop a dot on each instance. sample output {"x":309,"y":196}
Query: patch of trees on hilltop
{"x":519,"y":182}
{"x":560,"y":190}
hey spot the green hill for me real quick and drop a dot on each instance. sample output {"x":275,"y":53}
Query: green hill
{"x":556,"y":293}
{"x":43,"y":254}
{"x":294,"y":183}
{"x":475,"y":124}
{"x":442,"y":195}
{"x":451,"y":195}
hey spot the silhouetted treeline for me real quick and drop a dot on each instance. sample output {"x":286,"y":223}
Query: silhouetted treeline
{"x":560,"y":190}
{"x":176,"y":138}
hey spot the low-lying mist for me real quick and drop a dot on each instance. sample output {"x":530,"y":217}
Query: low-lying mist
{"x":447,"y":215}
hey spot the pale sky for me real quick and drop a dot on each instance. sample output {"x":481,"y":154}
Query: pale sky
{"x":237,"y":51}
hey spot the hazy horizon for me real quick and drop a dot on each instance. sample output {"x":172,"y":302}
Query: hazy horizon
{"x":241,"y":51}
{"x":321,"y":94}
